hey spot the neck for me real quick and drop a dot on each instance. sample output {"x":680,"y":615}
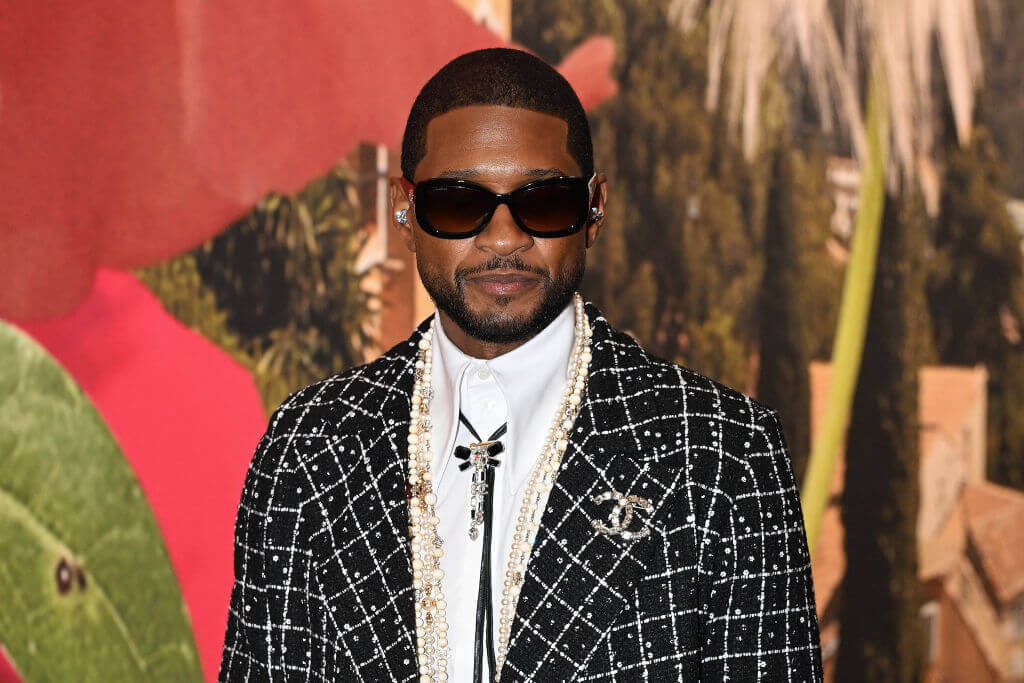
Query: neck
{"x":471,"y":346}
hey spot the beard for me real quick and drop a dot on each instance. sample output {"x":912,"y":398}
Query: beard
{"x":497,"y":326}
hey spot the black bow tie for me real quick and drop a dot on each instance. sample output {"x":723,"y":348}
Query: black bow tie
{"x":493,"y":449}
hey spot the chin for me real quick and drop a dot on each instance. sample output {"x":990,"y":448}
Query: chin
{"x":506,"y":305}
{"x":502,"y":318}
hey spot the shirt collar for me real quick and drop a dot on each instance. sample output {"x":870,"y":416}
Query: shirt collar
{"x":527,"y":375}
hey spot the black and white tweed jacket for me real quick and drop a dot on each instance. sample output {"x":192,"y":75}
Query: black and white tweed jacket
{"x":720,"y":589}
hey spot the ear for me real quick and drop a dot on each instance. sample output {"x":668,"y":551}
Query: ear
{"x":399,"y":190}
{"x":597,"y":201}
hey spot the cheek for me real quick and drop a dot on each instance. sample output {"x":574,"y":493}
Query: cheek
{"x":563,"y":253}
{"x":439,"y":256}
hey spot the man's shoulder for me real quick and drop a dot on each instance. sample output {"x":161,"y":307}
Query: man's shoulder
{"x":683,"y":390}
{"x":353,"y":396}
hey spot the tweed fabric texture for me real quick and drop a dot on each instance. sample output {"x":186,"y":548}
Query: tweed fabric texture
{"x":720,"y":589}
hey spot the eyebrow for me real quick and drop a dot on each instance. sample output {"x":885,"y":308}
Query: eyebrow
{"x":467,"y":173}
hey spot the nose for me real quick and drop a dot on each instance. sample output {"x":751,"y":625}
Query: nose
{"x":501,"y":235}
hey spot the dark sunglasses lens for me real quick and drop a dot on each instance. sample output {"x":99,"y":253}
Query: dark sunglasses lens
{"x":552,"y":208}
{"x":452,"y":209}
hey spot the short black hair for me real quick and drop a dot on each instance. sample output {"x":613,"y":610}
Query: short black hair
{"x":497,"y":76}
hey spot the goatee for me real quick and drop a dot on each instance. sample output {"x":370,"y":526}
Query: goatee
{"x":495,"y":326}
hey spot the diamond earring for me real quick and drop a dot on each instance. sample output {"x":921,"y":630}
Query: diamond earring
{"x":402,"y":216}
{"x":596,"y":213}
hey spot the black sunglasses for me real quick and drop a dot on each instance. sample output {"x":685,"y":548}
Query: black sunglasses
{"x":454,"y":209}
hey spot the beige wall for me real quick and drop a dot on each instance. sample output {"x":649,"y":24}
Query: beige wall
{"x":494,"y":14}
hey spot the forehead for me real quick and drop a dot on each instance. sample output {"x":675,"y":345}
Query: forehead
{"x":496,"y":142}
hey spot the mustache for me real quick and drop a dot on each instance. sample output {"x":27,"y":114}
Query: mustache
{"x":514,"y":262}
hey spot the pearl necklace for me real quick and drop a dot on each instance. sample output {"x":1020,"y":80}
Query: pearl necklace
{"x":431,"y":623}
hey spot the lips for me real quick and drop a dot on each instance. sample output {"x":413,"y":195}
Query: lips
{"x":503,"y":284}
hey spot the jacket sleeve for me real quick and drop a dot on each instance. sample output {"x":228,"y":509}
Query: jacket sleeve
{"x":760,"y":621}
{"x":266,"y":610}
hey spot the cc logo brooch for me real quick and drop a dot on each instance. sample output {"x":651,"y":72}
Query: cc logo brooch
{"x":621,"y":515}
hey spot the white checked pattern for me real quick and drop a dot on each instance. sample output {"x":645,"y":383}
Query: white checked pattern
{"x":719,"y":590}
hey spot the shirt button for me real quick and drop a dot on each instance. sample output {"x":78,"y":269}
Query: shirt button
{"x":483,"y":373}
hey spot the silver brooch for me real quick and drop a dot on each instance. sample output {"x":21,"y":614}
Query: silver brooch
{"x":621,"y":515}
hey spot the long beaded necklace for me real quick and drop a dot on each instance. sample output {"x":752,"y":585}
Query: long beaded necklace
{"x":431,"y":621}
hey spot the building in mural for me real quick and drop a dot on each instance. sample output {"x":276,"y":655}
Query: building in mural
{"x":969,"y":538}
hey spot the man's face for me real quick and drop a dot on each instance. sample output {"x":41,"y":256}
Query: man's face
{"x":501,"y":285}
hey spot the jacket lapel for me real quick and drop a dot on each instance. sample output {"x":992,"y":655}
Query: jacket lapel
{"x":578,"y":580}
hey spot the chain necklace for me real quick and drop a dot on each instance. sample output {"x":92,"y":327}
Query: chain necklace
{"x":432,"y":648}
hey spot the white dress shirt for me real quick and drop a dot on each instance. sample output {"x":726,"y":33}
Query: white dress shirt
{"x":523,"y":388}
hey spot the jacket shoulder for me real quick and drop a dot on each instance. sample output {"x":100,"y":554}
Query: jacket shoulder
{"x":357,"y":391}
{"x":704,"y":394}
{"x":339,"y":409}
{"x":685,"y":391}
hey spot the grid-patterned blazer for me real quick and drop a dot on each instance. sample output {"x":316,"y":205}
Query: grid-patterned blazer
{"x":719,"y":589}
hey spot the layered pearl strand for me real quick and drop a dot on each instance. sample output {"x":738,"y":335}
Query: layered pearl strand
{"x":431,"y":622}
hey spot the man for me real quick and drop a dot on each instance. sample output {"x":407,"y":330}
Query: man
{"x":517,"y":488}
